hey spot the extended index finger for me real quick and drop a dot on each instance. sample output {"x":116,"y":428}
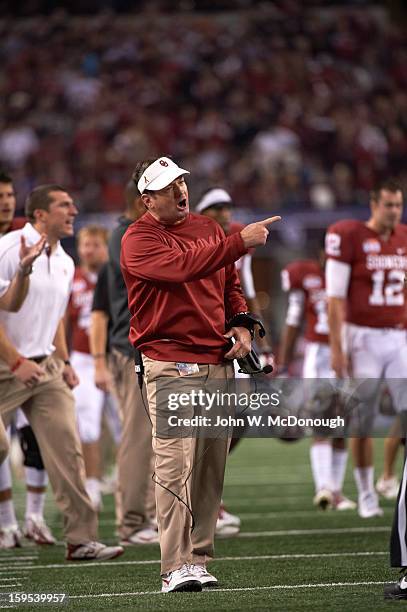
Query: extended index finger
{"x":270,"y":220}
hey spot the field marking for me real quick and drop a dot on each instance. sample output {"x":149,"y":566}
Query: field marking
{"x":237,"y":558}
{"x":239,"y":589}
{"x":16,"y":558}
{"x":294,"y":532}
{"x":16,"y":564}
{"x":13,"y":584}
{"x":248,"y":534}
{"x":259,"y":515}
{"x":300,"y":513}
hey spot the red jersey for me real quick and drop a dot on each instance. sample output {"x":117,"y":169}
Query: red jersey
{"x":309,"y":277}
{"x":182,"y":286}
{"x":16,"y":224}
{"x":80,"y":309}
{"x":376,"y":294}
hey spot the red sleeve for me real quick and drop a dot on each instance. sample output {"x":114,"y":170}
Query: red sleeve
{"x":339,"y":241}
{"x":234,"y":299}
{"x":71,"y":311}
{"x":145,"y":256}
{"x":17,"y":223}
{"x":237,"y":227}
{"x":291,"y":277}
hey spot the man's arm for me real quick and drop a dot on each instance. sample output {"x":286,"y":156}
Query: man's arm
{"x":145,"y":256}
{"x":337,"y":276}
{"x":13,"y":298}
{"x":16,"y":293}
{"x":26,"y":371}
{"x":336,"y":319}
{"x":99,"y":328}
{"x":61,"y":350}
{"x":288,"y":340}
{"x":294,"y":318}
{"x":235,"y":303}
{"x":97,"y":342}
{"x":150,"y":259}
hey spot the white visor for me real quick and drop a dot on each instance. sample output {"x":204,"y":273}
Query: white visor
{"x":159,"y":174}
{"x":213,"y":197}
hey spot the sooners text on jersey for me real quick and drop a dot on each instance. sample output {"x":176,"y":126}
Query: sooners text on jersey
{"x":309,"y":277}
{"x":376,"y":294}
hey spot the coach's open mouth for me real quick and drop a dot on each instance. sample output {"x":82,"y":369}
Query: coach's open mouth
{"x":182,"y":204}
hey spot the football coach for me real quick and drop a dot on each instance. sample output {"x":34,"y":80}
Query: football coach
{"x":184,"y":294}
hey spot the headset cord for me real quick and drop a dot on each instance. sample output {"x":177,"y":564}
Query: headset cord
{"x":199,"y":459}
{"x":140,"y":385}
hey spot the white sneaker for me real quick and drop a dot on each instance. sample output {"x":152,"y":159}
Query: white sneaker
{"x":96,"y":500}
{"x":108,"y":483}
{"x":92,"y":550}
{"x":368,"y":505}
{"x":323,"y":499}
{"x":205,"y":578}
{"x":388,"y":487}
{"x":340,"y":503}
{"x":227,"y":525}
{"x":10,"y":537}
{"x":143,"y":536}
{"x":180,"y":580}
{"x":36,"y":529}
{"x":227,"y":518}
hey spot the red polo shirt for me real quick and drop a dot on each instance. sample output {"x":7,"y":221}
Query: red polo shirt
{"x":182,"y":285}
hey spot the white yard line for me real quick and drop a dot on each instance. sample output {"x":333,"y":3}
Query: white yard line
{"x":295,"y":532}
{"x":13,"y":584}
{"x":238,"y":558}
{"x":260,"y":515}
{"x":259,"y":588}
{"x":16,"y":558}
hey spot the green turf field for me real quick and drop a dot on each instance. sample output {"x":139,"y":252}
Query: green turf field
{"x":287,"y":557}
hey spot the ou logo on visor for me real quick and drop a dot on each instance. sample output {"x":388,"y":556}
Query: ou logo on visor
{"x":163,"y":162}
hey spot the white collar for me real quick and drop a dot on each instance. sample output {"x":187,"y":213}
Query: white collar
{"x":33,"y":236}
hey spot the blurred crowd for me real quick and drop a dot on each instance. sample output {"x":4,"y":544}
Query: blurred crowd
{"x":285,"y":107}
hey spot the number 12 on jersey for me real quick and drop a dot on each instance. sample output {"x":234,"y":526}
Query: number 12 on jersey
{"x":388,"y":292}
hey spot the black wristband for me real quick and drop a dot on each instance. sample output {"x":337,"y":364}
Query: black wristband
{"x":247,"y":320}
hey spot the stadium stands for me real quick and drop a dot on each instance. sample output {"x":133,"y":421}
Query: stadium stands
{"x":288,"y":107}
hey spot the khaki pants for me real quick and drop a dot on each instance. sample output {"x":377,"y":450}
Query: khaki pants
{"x":49,"y":408}
{"x":135,"y":455}
{"x":191,"y":468}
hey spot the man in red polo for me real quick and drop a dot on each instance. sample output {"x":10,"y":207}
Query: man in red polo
{"x":183,"y":288}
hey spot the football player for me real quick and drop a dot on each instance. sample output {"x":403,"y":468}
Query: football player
{"x":304,"y":281}
{"x":366,"y":313}
{"x":89,"y":400}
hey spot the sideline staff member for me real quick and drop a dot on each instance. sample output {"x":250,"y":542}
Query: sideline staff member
{"x":183,"y":286}
{"x":37,"y":334}
{"x":12,"y":296}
